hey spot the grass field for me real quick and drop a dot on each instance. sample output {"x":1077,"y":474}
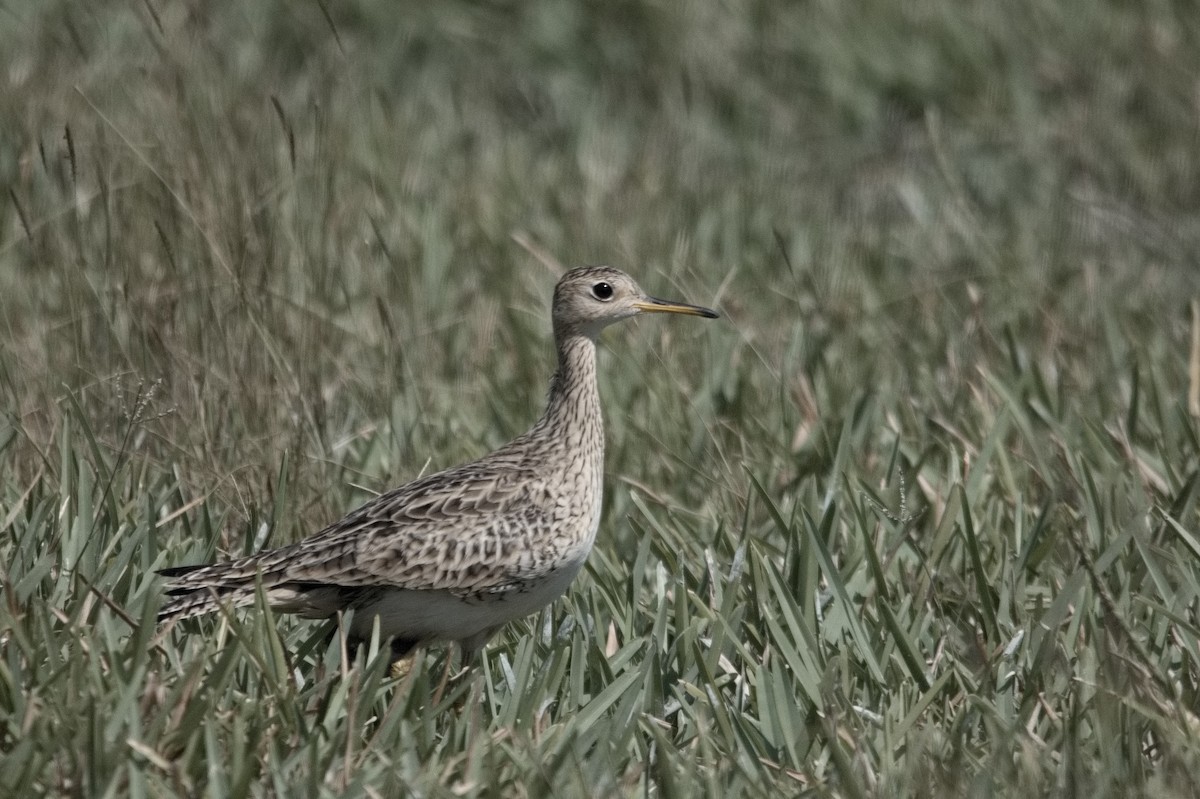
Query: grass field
{"x":918,"y":516}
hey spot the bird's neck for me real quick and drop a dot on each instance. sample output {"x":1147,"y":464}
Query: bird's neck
{"x":572,"y":418}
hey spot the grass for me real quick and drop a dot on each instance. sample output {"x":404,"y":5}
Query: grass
{"x":918,"y":516}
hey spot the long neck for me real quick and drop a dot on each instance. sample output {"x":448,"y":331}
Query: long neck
{"x":572,"y":419}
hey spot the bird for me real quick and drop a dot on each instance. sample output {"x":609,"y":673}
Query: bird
{"x":452,"y":557}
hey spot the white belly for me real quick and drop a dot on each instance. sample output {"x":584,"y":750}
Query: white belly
{"x":438,"y":616}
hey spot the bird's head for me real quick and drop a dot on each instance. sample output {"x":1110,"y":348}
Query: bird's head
{"x":590,"y":298}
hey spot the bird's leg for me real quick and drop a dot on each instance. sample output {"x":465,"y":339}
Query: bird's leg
{"x":400,"y":659}
{"x":401,"y":662}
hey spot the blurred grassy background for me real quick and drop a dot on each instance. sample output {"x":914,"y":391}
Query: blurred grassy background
{"x":917,"y":516}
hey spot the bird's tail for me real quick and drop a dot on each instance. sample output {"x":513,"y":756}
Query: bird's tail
{"x":197,"y":590}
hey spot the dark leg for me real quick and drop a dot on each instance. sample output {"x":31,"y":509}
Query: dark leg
{"x":402,"y":648}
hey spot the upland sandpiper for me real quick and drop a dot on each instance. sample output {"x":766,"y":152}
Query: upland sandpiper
{"x":456,"y":555}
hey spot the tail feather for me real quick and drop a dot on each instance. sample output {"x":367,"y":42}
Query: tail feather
{"x":201,"y":602}
{"x":199,"y":590}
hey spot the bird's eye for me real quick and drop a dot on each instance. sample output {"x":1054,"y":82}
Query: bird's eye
{"x":602,"y":291}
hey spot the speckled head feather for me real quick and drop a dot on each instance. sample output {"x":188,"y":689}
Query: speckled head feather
{"x":590,"y":298}
{"x":455,"y":555}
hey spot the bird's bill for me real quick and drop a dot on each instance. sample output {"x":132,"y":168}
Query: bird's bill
{"x":655,"y":305}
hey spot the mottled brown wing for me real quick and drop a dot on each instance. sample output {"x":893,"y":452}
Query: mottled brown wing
{"x":451,"y":531}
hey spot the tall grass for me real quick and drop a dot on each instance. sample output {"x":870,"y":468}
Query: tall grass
{"x":918,"y":517}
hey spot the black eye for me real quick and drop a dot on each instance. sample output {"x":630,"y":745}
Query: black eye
{"x":602,"y":291}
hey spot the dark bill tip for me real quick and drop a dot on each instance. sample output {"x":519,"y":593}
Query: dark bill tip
{"x":655,"y":305}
